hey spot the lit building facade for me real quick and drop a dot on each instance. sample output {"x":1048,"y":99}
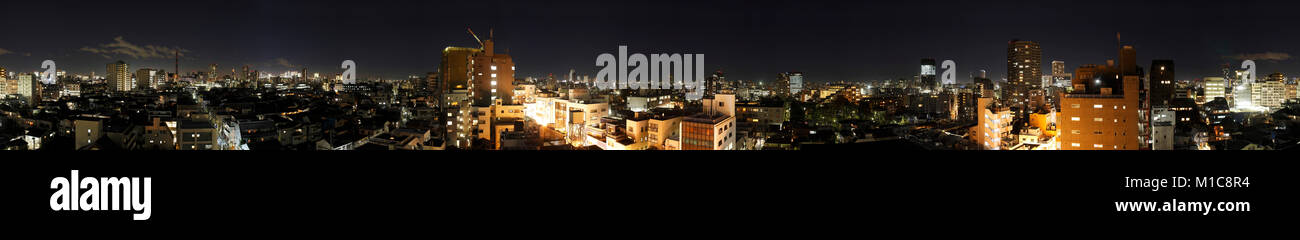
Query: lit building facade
{"x":1271,"y":92}
{"x":708,"y":132}
{"x":119,"y":77}
{"x":1215,"y":87}
{"x":1024,"y":71}
{"x":1100,"y":120}
{"x":493,"y":76}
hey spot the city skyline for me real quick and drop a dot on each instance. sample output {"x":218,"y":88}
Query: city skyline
{"x":754,"y":42}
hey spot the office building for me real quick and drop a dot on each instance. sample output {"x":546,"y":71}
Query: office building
{"x":1215,"y":87}
{"x":928,"y":78}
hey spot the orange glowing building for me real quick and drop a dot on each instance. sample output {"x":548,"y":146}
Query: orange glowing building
{"x":1099,"y":116}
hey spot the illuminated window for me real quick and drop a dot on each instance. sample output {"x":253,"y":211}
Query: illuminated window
{"x":1097,"y":146}
{"x":1097,"y":106}
{"x":1098,"y":119}
{"x":1074,"y":144}
{"x":1076,"y":119}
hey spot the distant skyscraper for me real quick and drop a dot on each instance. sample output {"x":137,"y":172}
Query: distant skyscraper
{"x":1058,"y":68}
{"x":1024,"y":70}
{"x":984,"y":88}
{"x":212,"y":72}
{"x":1162,"y":82}
{"x":928,"y":74}
{"x":119,"y":77}
{"x":149,"y":78}
{"x":177,"y":58}
{"x":782,"y":86}
{"x":7,"y":86}
{"x":796,"y":83}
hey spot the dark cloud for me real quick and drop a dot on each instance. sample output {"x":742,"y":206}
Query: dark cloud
{"x":1265,"y":56}
{"x":121,"y":47}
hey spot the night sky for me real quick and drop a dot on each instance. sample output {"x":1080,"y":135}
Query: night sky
{"x":750,"y":40}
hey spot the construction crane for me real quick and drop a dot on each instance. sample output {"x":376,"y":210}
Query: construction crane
{"x":476,"y":39}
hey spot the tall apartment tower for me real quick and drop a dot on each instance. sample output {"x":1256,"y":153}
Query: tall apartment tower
{"x":782,"y":86}
{"x":1162,"y":82}
{"x":1024,"y":71}
{"x":796,"y":82}
{"x":493,"y":76}
{"x":212,"y":72}
{"x":455,"y":69}
{"x":119,"y":77}
{"x":149,"y":78}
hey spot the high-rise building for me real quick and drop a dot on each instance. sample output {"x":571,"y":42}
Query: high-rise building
{"x":431,"y":83}
{"x":796,"y":82}
{"x":717,"y":83}
{"x":782,"y":86}
{"x":212,"y":72}
{"x":1058,"y":68}
{"x":7,"y":86}
{"x":984,"y":87}
{"x":149,"y":78}
{"x":1128,"y":60}
{"x":1215,"y":87}
{"x":119,"y":77}
{"x":994,"y":125}
{"x":967,"y":105}
{"x":455,"y":69}
{"x":1024,"y":71}
{"x":493,"y":76}
{"x":1240,"y":89}
{"x":1104,"y":120}
{"x":1291,"y":89}
{"x":928,"y":70}
{"x":29,"y":87}
{"x":1271,"y":92}
{"x":1162,"y":82}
